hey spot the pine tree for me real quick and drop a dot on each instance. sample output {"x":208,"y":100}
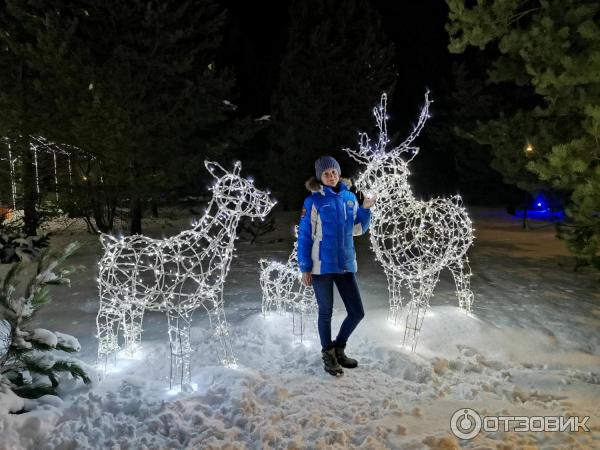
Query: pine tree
{"x":461,"y":102}
{"x":29,"y":362}
{"x":153,"y":96}
{"x":336,"y":65}
{"x":551,"y":47}
{"x":33,"y":36}
{"x":132,"y":84}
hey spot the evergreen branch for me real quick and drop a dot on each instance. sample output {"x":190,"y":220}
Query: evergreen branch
{"x":33,"y":392}
{"x":517,"y":17}
{"x":33,"y":365}
{"x":40,"y":297}
{"x":65,"y":348}
{"x":73,"y":368}
{"x":38,"y":345}
{"x":11,"y":275}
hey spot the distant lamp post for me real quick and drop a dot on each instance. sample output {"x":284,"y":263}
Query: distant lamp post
{"x":528,"y":152}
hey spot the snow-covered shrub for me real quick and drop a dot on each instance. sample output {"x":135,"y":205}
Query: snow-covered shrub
{"x":32,"y":361}
{"x":250,"y":229}
{"x":16,"y":246}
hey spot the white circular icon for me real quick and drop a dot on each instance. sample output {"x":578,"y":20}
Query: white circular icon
{"x":465,"y":423}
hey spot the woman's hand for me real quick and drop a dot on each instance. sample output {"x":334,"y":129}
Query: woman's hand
{"x":369,"y":201}
{"x":307,"y":278}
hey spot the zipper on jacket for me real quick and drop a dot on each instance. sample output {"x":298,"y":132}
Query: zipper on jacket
{"x":341,"y":264}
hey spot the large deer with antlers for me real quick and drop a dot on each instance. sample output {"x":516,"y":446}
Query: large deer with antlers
{"x":412,"y":239}
{"x":177,"y":275}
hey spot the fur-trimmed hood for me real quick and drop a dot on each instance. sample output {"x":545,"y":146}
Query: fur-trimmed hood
{"x":314,"y":185}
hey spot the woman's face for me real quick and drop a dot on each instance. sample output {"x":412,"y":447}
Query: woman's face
{"x":330,"y":177}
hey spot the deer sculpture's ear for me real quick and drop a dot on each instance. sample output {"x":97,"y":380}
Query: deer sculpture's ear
{"x":411,"y":152}
{"x":215,"y":169}
{"x":237,"y":167}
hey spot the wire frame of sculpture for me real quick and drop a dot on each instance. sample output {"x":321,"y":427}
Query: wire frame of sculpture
{"x":412,"y":239}
{"x":176,"y":275}
{"x":283,"y":290}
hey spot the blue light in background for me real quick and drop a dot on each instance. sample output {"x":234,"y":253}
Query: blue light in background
{"x":543,"y":208}
{"x":539,"y":203}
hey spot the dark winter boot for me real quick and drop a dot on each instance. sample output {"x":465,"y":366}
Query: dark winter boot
{"x":341,"y":357}
{"x":330,"y":363}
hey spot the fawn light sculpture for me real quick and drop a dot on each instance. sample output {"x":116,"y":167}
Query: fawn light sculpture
{"x":412,"y":239}
{"x":283,"y":289}
{"x":177,"y":275}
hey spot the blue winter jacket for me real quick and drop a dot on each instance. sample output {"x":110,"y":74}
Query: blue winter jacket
{"x":328,"y":223}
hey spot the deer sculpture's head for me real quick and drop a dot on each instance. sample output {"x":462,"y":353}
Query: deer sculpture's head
{"x":237,"y":194}
{"x":383,"y":165}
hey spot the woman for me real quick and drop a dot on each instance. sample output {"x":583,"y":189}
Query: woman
{"x":330,"y":218}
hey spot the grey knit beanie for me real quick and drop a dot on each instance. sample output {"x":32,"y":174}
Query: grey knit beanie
{"x":324,"y":163}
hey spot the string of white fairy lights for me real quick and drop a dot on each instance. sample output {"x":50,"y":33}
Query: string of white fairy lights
{"x":413,"y":240}
{"x":177,"y":275}
{"x":283,"y":290}
{"x":13,"y":184}
{"x":39,"y":144}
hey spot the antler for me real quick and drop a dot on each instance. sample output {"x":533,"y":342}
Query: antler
{"x":405,"y":146}
{"x":366,"y":151}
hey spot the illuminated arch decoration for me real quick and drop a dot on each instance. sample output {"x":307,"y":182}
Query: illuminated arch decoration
{"x":413,"y":240}
{"x":61,"y":155}
{"x":283,"y":290}
{"x":177,"y":275}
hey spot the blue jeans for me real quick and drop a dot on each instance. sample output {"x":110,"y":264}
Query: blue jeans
{"x":348,"y":289}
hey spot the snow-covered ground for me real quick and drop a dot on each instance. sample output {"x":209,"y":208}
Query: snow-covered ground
{"x":532,"y":347}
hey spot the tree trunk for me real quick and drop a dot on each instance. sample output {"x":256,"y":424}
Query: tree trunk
{"x":135,"y":205}
{"x":31,"y":216}
{"x":154,"y":207}
{"x":135,"y":215}
{"x":30,"y":195}
{"x":525,"y":210}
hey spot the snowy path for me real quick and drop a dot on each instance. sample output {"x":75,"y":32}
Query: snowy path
{"x":532,"y":347}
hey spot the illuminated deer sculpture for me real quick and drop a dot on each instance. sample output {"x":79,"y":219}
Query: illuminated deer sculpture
{"x":177,"y":275}
{"x":413,"y":240}
{"x":283,"y":289}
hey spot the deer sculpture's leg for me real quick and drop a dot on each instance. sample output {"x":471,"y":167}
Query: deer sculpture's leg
{"x":275,"y":299}
{"x":179,"y":323}
{"x":309,"y":303}
{"x":282,"y":293}
{"x":394,"y":288}
{"x":220,"y":330}
{"x":283,"y":281}
{"x":305,"y":305}
{"x":266,"y":287}
{"x":461,"y":271}
{"x":267,"y":300}
{"x":298,"y":306}
{"x":132,"y":328}
{"x":420,"y":292}
{"x":108,"y":321}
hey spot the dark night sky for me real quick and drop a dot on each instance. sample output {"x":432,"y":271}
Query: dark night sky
{"x":256,"y":34}
{"x":255,"y":39}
